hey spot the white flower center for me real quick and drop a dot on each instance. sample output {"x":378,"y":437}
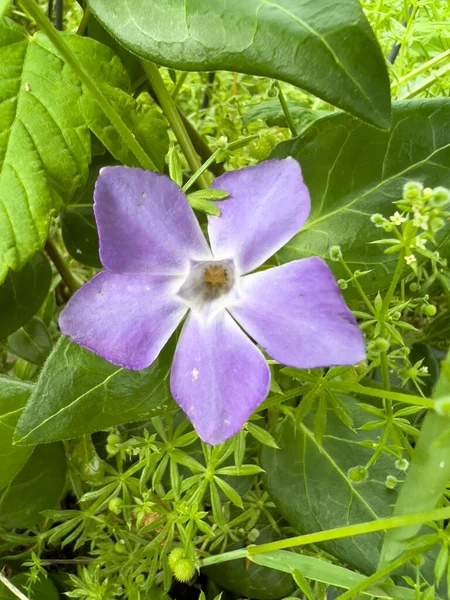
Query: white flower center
{"x":209,"y":286}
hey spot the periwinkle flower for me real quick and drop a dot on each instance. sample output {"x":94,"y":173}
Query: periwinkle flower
{"x":160,"y":269}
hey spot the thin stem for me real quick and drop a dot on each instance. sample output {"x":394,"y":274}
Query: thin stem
{"x":12,"y":588}
{"x":179,"y":84}
{"x":170,"y":110}
{"x":59,"y":42}
{"x":426,"y":83}
{"x":57,"y":259}
{"x":84,"y":21}
{"x":286,"y":110}
{"x":423,"y":67}
{"x":385,"y":370}
{"x":363,"y":390}
{"x":59,"y":12}
{"x":358,"y":286}
{"x":395,"y":279}
{"x":212,"y":158}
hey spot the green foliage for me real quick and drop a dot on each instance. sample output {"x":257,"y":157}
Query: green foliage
{"x":341,"y":61}
{"x":79,"y":392}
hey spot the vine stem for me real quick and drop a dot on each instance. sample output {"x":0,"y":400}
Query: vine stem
{"x":32,"y":8}
{"x":58,"y":260}
{"x":170,"y":110}
{"x":286,"y":111}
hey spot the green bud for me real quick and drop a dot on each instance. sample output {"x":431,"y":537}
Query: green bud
{"x":115,"y":505}
{"x":441,"y":194}
{"x":262,"y":147}
{"x":120,"y":547}
{"x":436,"y":224}
{"x":342,"y":284}
{"x":184,"y":569}
{"x":253,"y":535}
{"x":430,"y":310}
{"x":391,"y":482}
{"x":176,"y":555}
{"x":412,"y":190}
{"x":402,"y":464}
{"x":335,"y":253}
{"x":272,"y":92}
{"x":140,"y":579}
{"x":112,"y":449}
{"x":414,"y":287}
{"x":113,"y":439}
{"x":357,"y":474}
{"x":381,"y":344}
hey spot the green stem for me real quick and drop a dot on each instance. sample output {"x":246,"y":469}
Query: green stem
{"x":57,"y":259}
{"x":286,"y":110}
{"x":358,"y":286}
{"x":170,"y":110}
{"x":385,"y":370}
{"x":13,"y":588}
{"x":84,"y":21}
{"x":115,"y":119}
{"x":357,"y":388}
{"x":395,"y":279}
{"x":177,"y":87}
{"x":332,"y":534}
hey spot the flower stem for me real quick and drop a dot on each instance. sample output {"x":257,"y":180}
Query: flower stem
{"x":170,"y":110}
{"x":32,"y":8}
{"x":84,"y":20}
{"x":57,"y":259}
{"x":286,"y":110}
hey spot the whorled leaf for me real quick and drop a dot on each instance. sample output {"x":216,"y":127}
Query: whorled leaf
{"x":353,"y":170}
{"x":13,"y":396}
{"x":327,"y":48}
{"x":79,"y":392}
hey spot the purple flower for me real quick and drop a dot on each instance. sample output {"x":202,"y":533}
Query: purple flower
{"x":160,"y":269}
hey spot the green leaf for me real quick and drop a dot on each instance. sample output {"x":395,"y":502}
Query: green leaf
{"x":31,"y":342}
{"x":80,"y":235}
{"x":4,"y":5}
{"x":229,"y":492}
{"x":13,"y":396}
{"x":353,"y":170}
{"x":428,"y":473}
{"x":147,"y":124}
{"x":79,"y":392}
{"x":44,"y":143}
{"x":331,"y":52}
{"x":23,"y":293}
{"x":320,"y":570}
{"x":310,"y":483}
{"x":272,"y":114}
{"x":42,"y":589}
{"x":37,"y":487}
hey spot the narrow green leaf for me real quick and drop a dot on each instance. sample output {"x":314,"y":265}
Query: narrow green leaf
{"x":229,"y":492}
{"x":260,"y":434}
{"x":13,"y":396}
{"x":302,"y":584}
{"x":23,"y":293}
{"x":79,"y":392}
{"x":42,"y":589}
{"x":239,"y":471}
{"x":341,"y":61}
{"x":428,"y":474}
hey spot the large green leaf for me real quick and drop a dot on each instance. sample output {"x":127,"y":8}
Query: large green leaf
{"x":13,"y":396}
{"x":314,"y":490}
{"x":23,"y":293}
{"x":353,"y":170}
{"x":326,"y":48}
{"x":44,"y":143}
{"x":42,"y":589}
{"x":31,"y":342}
{"x":37,"y":487}
{"x":79,"y":392}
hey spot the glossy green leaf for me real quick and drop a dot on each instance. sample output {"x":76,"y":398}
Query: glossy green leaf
{"x":31,"y":342}
{"x":78,"y":392}
{"x":43,"y":589}
{"x":313,"y":488}
{"x":44,"y":143}
{"x":330,"y":52}
{"x":428,"y":474}
{"x":13,"y":396}
{"x":353,"y":171}
{"x":37,"y":487}
{"x":80,"y":235}
{"x":147,"y":124}
{"x":23,"y":293}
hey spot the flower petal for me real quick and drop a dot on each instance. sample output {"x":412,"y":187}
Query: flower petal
{"x":145,"y":223}
{"x":268,"y":204}
{"x":126,"y":319}
{"x":297,"y":314}
{"x":218,"y":376}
